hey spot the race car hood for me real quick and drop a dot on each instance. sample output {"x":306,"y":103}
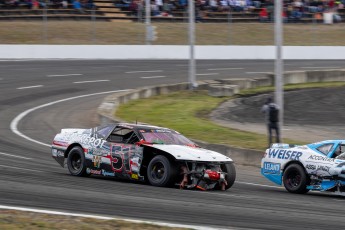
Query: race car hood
{"x":77,"y":131}
{"x":182,"y":152}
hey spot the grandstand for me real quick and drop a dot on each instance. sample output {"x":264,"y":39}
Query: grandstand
{"x":171,"y":11}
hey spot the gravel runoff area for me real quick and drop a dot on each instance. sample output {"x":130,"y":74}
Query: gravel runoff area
{"x":310,"y":115}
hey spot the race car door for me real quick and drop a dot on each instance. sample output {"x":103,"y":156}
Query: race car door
{"x":126,"y":157}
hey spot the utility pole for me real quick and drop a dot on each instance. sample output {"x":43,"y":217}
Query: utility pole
{"x":191,"y":78}
{"x":279,"y":78}
{"x":148,"y":21}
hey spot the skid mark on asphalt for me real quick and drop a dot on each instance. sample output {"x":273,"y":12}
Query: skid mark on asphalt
{"x":17,"y":168}
{"x":29,"y":87}
{"x":153,"y":77}
{"x":81,"y":82}
{"x":145,"y":71}
{"x":11,"y":155}
{"x":64,"y":75}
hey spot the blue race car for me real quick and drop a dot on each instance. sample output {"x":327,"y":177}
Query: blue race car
{"x":318,"y":166}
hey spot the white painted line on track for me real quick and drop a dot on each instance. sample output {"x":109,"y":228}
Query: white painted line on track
{"x":16,"y":120}
{"x":260,"y":185}
{"x":95,"y":81}
{"x":256,"y":72}
{"x":10,"y":155}
{"x":206,"y":74}
{"x":29,"y":87}
{"x":320,"y":67}
{"x":153,"y":77}
{"x":65,"y":75}
{"x":17,"y":168}
{"x":145,"y":71}
{"x":225,"y":68}
{"x":62,"y":213}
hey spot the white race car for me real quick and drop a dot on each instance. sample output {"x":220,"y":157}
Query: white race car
{"x":318,"y":166}
{"x":137,"y":152}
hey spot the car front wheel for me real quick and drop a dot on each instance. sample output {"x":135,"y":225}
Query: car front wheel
{"x":295,"y":179}
{"x":161,"y":172}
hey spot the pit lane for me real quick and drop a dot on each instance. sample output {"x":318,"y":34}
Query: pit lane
{"x":40,"y":182}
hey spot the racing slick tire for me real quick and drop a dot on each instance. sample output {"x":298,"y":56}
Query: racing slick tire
{"x":230,"y":176}
{"x":295,"y":179}
{"x":161,"y":172}
{"x":76,"y":162}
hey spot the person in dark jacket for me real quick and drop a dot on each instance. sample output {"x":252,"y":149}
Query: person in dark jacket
{"x":271,"y":111}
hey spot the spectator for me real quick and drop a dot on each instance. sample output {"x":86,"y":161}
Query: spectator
{"x":77,"y":6}
{"x":154,"y":9}
{"x":159,"y":4}
{"x":263,"y":15}
{"x":182,"y":4}
{"x":213,"y":5}
{"x":296,"y":15}
{"x":271,"y":111}
{"x":64,"y":4}
{"x":224,"y":5}
{"x":35,"y":4}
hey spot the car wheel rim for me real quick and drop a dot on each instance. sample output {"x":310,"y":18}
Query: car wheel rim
{"x":76,"y":162}
{"x":157,"y":171}
{"x":294,"y":179}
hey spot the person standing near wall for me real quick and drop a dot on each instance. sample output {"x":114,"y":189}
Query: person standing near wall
{"x":271,"y":111}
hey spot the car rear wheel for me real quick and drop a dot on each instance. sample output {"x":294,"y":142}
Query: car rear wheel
{"x":76,"y":162}
{"x":295,"y":179}
{"x":161,"y":172}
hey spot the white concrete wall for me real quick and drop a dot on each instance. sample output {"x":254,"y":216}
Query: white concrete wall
{"x":167,"y":52}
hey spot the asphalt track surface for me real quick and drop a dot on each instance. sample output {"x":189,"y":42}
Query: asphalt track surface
{"x":29,"y":177}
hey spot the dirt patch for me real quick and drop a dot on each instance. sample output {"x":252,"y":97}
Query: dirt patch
{"x":29,"y":220}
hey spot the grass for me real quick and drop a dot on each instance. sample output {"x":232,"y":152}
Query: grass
{"x":187,"y":112}
{"x":130,"y":33}
{"x":15,"y":220}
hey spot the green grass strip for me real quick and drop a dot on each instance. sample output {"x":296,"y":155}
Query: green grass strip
{"x":187,"y":112}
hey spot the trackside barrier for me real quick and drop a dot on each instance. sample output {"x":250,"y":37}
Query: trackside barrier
{"x":107,"y":109}
{"x":176,"y":52}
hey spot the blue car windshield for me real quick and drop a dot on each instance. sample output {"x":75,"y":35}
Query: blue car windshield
{"x":165,"y":137}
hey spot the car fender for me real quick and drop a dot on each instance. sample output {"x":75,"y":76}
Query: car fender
{"x":191,"y":153}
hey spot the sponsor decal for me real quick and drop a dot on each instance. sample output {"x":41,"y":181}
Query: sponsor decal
{"x":311,"y":167}
{"x":271,"y":168}
{"x":95,"y":172}
{"x":97,"y":160}
{"x":320,"y":158}
{"x":85,"y":139}
{"x":135,"y":176}
{"x":105,"y":173}
{"x":98,"y":151}
{"x":323,"y":168}
{"x":284,"y":154}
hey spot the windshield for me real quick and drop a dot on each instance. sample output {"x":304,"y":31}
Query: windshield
{"x":165,"y":137}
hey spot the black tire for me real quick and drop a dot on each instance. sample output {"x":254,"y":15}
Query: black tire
{"x":231,"y":175}
{"x":76,"y":162}
{"x":161,"y":172}
{"x":295,"y":179}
